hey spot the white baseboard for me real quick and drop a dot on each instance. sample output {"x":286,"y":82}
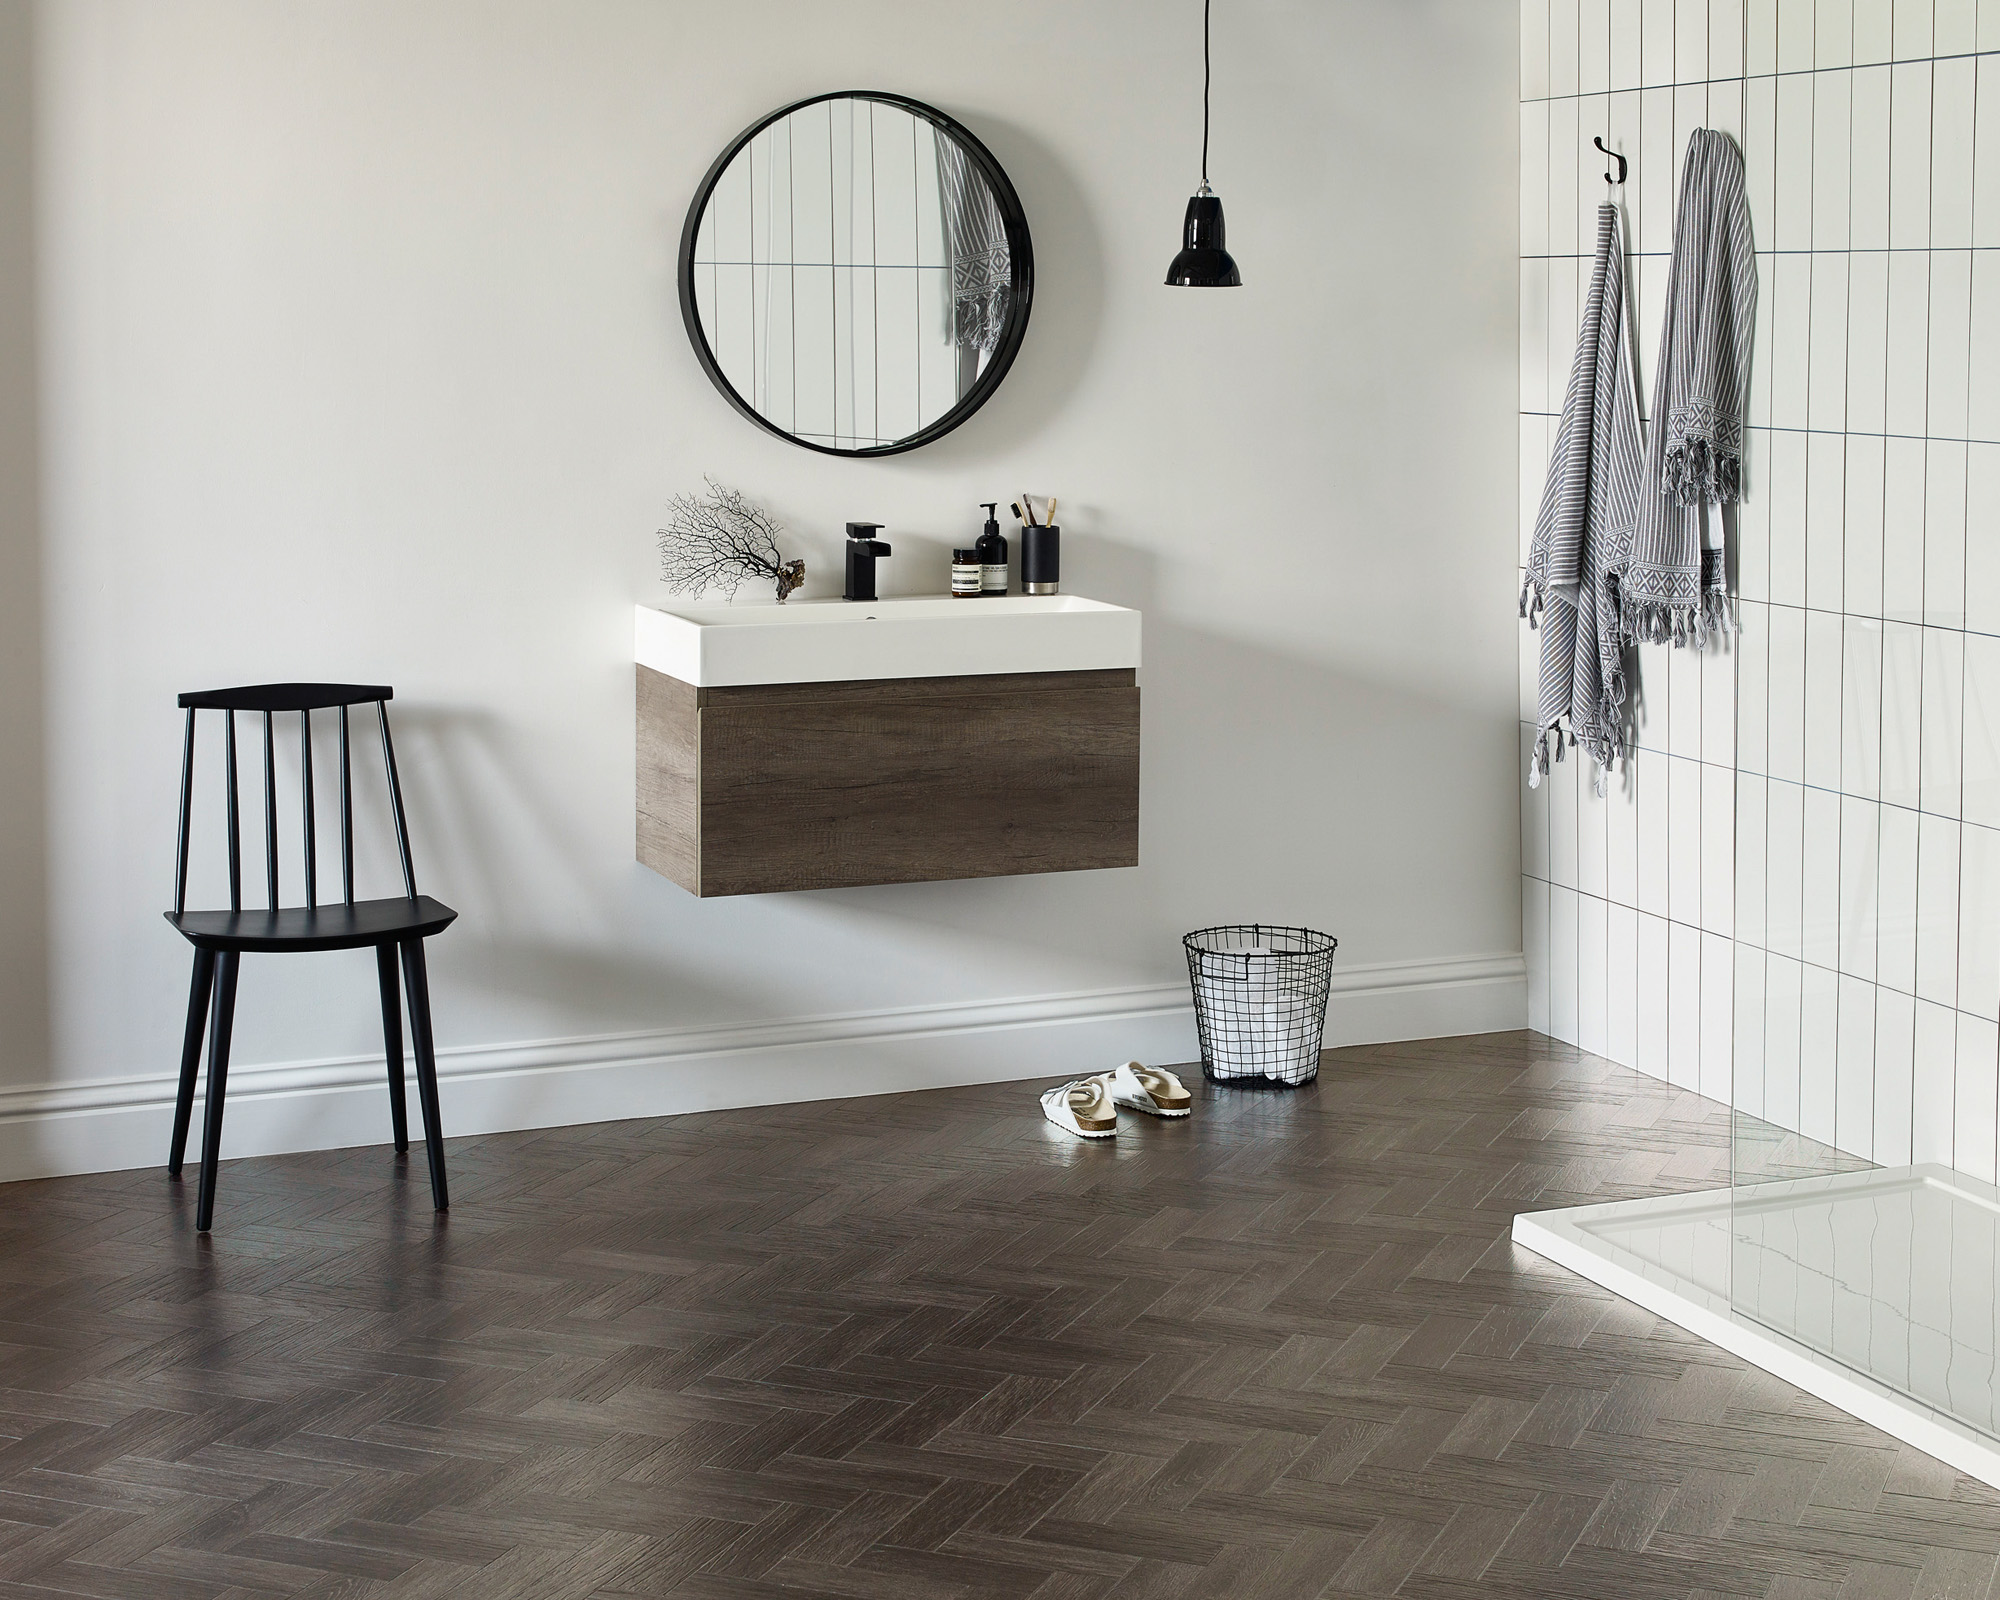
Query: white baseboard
{"x":110,"y":1124}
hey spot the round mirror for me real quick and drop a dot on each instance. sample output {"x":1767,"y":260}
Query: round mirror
{"x":856,"y":273}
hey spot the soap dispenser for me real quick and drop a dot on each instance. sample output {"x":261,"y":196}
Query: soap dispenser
{"x":862,"y":549}
{"x":992,"y":548}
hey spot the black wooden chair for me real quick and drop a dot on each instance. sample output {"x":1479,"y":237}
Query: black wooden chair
{"x":221,"y":938}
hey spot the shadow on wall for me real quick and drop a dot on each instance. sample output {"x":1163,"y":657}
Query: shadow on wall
{"x":24,"y":993}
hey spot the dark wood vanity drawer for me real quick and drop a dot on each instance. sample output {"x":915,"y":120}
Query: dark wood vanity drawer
{"x":833,"y":785}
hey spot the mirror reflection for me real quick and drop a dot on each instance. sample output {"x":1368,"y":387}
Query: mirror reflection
{"x":851,"y":276}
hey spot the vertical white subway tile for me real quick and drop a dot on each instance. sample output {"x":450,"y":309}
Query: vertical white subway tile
{"x":1913,"y":29}
{"x":1933,"y":1110}
{"x":1873,"y":30}
{"x":1896,"y":928}
{"x":1593,"y":46}
{"x":1565,"y":302}
{"x":1591,"y":998}
{"x":1591,"y":840}
{"x":1787,"y":728}
{"x":1979,"y":768}
{"x":1718,"y":849}
{"x":1867,"y":363}
{"x":1907,"y":387}
{"x":1593,"y":121}
{"x":1626,"y":122}
{"x":1950,"y":343}
{"x":1534,"y":818}
{"x":1690,"y":113}
{"x":1760,"y":151}
{"x":1565,"y":129}
{"x":1944,"y":722}
{"x":1561,"y":784}
{"x":1753,"y":517}
{"x":1534,"y":177}
{"x":1621,"y":845}
{"x":1986,"y":149}
{"x":1718,"y":1011}
{"x":1691,"y":42}
{"x":1621,"y":984}
{"x":1832,"y":132}
{"x":1944,"y":533}
{"x":1989,"y":24}
{"x":1786,"y":490}
{"x":1952,"y":145}
{"x":1825,"y":649}
{"x":1854,"y":1070}
{"x":1791,"y":223}
{"x":1979,"y":922}
{"x":1625,"y":55}
{"x":1684,"y":841}
{"x":1760,"y":29}
{"x":1562,"y":963}
{"x":1826,"y":385}
{"x":1652,"y":996}
{"x":1795,"y":36}
{"x":1791,"y":341}
{"x":1937,"y":910}
{"x":1860,"y":864}
{"x":1650,"y":769}
{"x":1683,"y":1006}
{"x":1534,"y":49}
{"x":1650,"y":296}
{"x":1982,"y":537}
{"x":1976,"y":1097}
{"x":1861,"y":707}
{"x":1868,"y":157}
{"x":1725,"y":39}
{"x":1655,"y":170}
{"x":1820,"y":918}
{"x":1982,"y":420}
{"x":1956,"y":27}
{"x":1528,"y":671}
{"x":1535,"y":429}
{"x":1747,"y":1078}
{"x":1752,"y":825}
{"x":1783,"y":978}
{"x":1537,"y":335}
{"x":1784,"y":869}
{"x":1657,"y":44}
{"x":1833,"y":33}
{"x":1684,"y":703}
{"x":1910,"y":155}
{"x":1562,"y":47}
{"x":1718,"y":706}
{"x":1902,"y":712}
{"x":1650,"y":695}
{"x":1862,"y":527}
{"x":1903,"y":529}
{"x":1895,"y":1048}
{"x":1535,"y":942}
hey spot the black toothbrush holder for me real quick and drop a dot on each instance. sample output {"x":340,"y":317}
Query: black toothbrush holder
{"x":1041,"y":558}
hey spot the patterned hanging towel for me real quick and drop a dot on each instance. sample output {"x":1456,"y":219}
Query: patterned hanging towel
{"x":1584,"y":527}
{"x":1674,"y":588}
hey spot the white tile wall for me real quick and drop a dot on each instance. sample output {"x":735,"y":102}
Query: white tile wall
{"x":1792,"y":898}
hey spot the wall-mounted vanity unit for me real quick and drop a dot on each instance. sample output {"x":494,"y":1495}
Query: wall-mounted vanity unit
{"x":824,"y":745}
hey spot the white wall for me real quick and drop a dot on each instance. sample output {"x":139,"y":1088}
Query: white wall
{"x":359,"y":357}
{"x":1816,"y":845}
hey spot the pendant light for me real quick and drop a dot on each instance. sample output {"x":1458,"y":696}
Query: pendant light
{"x":1203,"y":262}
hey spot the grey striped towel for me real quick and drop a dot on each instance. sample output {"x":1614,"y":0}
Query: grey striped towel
{"x":1672,"y":588}
{"x":1583,"y":528}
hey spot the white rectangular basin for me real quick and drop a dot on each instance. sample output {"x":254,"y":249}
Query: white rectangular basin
{"x":926,"y":636}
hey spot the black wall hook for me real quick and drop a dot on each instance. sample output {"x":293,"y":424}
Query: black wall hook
{"x":1615,"y":156}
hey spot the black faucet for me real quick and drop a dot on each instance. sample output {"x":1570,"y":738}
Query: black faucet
{"x":862,"y":549}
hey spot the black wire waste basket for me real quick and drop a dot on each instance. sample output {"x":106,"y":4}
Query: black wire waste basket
{"x":1260,"y":1001}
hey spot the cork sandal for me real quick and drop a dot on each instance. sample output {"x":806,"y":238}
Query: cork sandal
{"x":1152,"y":1090}
{"x":1083,"y":1107}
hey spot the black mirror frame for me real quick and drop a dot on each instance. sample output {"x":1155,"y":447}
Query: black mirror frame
{"x":1020,"y":249}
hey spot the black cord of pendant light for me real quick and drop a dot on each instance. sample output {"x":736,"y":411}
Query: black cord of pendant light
{"x":1204,"y":92}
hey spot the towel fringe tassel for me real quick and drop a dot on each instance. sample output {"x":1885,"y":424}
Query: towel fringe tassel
{"x":1696,"y":471}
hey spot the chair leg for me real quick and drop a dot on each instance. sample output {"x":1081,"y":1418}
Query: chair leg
{"x":418,"y":985}
{"x":392,"y":1042}
{"x":198,"y":992}
{"x":222,"y":1017}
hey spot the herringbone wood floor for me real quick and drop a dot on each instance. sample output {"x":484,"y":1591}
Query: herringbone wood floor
{"x":924,"y":1346}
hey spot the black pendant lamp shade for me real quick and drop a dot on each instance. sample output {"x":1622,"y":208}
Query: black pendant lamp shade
{"x":1204,"y":261}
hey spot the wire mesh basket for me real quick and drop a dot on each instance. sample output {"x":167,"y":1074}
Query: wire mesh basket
{"x":1260,"y":1001}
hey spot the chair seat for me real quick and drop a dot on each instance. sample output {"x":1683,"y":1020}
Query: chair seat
{"x":330,"y":927}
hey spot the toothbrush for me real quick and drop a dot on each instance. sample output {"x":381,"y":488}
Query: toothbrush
{"x":1049,"y":512}
{"x":1016,"y":509}
{"x":1029,"y":506}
